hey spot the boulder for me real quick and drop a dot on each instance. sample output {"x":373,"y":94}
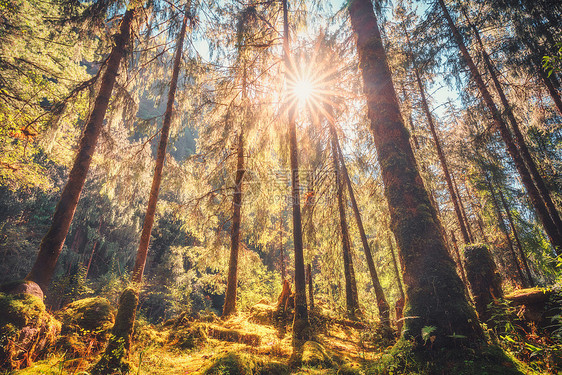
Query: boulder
{"x":27,"y":330}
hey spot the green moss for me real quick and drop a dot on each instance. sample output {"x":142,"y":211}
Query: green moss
{"x":244,"y":364}
{"x":188,"y":337}
{"x":403,"y":358}
{"x":26,"y":330}
{"x":315,"y":355}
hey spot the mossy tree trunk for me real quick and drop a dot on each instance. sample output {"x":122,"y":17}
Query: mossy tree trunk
{"x":483,"y":277}
{"x":232,"y":280}
{"x":310,"y":287}
{"x":300,"y":322}
{"x":51,"y":245}
{"x":434,"y":291}
{"x":536,"y":199}
{"x":351,"y":296}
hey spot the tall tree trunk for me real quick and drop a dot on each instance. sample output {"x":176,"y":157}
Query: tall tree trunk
{"x":281,"y":250}
{"x":142,"y":251}
{"x":51,"y":245}
{"x":382,"y":304}
{"x":516,"y":236}
{"x":351,"y":297}
{"x":300,"y":322}
{"x":310,"y":288}
{"x":534,"y":195}
{"x":506,"y":233}
{"x":435,"y":293}
{"x":232,"y":281}
{"x":521,"y":143}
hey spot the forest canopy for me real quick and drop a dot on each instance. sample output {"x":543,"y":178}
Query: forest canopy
{"x":197,"y":171}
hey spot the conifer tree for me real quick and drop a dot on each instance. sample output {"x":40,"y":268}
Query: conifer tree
{"x":434,"y":291}
{"x":51,"y":246}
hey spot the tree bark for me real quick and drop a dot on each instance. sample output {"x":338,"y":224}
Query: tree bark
{"x":351,"y":297}
{"x":300,"y":322}
{"x":382,"y":304}
{"x":534,"y":195}
{"x":232,"y":280}
{"x":142,"y":251}
{"x":51,"y":245}
{"x":310,"y":288}
{"x":435,"y":293}
{"x":399,"y":306}
{"x":463,"y":209}
{"x":459,"y":260}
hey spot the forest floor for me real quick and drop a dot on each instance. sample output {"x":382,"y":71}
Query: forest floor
{"x":173,"y":348}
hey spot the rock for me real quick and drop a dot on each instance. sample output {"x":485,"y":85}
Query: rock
{"x":262,"y":314}
{"x":188,"y":337}
{"x":315,"y":355}
{"x":27,"y":330}
{"x":86,"y":326}
{"x":23,"y":286}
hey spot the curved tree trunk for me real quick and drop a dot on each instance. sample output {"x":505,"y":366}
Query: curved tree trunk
{"x":534,"y":195}
{"x":51,"y":245}
{"x":434,"y":291}
{"x":300,"y":322}
{"x":142,"y":251}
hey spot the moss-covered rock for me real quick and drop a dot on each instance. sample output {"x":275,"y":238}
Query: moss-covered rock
{"x":483,"y":278}
{"x":26,"y":330}
{"x":350,"y":368}
{"x":22,"y":286}
{"x":244,"y":364}
{"x":188,"y":337}
{"x":315,"y":355}
{"x":86,"y":326}
{"x":263,"y":314}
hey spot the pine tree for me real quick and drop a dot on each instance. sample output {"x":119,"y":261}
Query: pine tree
{"x":434,"y":291}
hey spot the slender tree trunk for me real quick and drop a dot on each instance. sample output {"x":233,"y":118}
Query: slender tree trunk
{"x":310,"y":288}
{"x":51,"y":245}
{"x":90,"y":260}
{"x":534,"y":195}
{"x":281,"y":250}
{"x":516,"y":236}
{"x":399,"y":306}
{"x":440,"y":153}
{"x":142,"y":251}
{"x":506,"y":234}
{"x":521,"y":143}
{"x":232,"y":281}
{"x":463,"y":209}
{"x":382,"y":304}
{"x":435,"y":293}
{"x":550,"y":88}
{"x":351,"y":297}
{"x":300,"y":322}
